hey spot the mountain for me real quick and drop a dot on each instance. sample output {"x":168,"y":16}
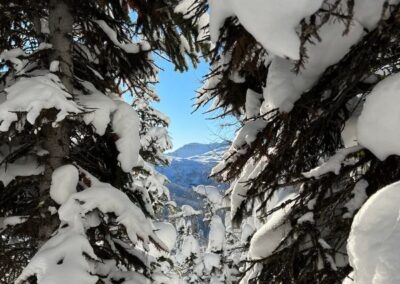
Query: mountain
{"x":190,"y":166}
{"x":196,"y":149}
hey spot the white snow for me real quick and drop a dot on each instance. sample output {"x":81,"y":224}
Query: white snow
{"x":211,"y":193}
{"x":63,"y":183}
{"x":349,"y":132}
{"x":240,"y":187}
{"x":166,"y":232}
{"x":253,"y":103}
{"x":156,"y":136}
{"x":333,"y":164}
{"x":252,"y":273}
{"x":268,"y":238}
{"x":378,"y":127}
{"x":11,"y":221}
{"x":235,"y":77}
{"x":373,"y":244}
{"x":99,"y":107}
{"x":216,"y":236}
{"x":24,"y":166}
{"x":188,"y":8}
{"x":13,"y":54}
{"x":211,"y":260}
{"x":125,"y":123}
{"x":369,"y":12}
{"x":187,"y":211}
{"x":127,"y":47}
{"x":219,"y":11}
{"x":273,"y":23}
{"x":189,"y":246}
{"x":284,"y":87}
{"x":247,"y":230}
{"x":32,"y":95}
{"x":306,"y":218}
{"x":53,"y":210}
{"x":107,"y":199}
{"x":248,"y":133}
{"x":185,"y":7}
{"x":61,"y":260}
{"x":54,"y":66}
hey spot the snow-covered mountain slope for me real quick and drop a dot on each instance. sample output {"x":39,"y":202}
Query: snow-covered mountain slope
{"x":190,"y":166}
{"x":194,"y":150}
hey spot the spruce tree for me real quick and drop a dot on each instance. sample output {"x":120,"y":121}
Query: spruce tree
{"x":218,"y":264}
{"x":296,"y":75}
{"x":187,"y":253}
{"x":77,"y":161}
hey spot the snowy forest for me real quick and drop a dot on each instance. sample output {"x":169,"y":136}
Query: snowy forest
{"x":307,"y":191}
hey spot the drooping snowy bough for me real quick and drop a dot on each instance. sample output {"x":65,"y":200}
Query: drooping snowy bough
{"x":373,"y":241}
{"x":79,"y":192}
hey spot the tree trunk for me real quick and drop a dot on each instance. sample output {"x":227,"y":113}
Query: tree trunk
{"x":56,"y":139}
{"x":60,"y":25}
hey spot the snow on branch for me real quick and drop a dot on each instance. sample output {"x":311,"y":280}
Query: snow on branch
{"x":216,"y":237}
{"x":186,"y":211}
{"x":378,"y":125}
{"x":373,"y":241}
{"x":284,"y":87}
{"x":11,"y":221}
{"x":20,"y":167}
{"x":32,"y":95}
{"x":103,"y":109}
{"x":272,"y":23}
{"x":99,"y":108}
{"x":268,"y":238}
{"x":108,"y":199}
{"x":125,"y":123}
{"x":127,"y":47}
{"x":189,"y":8}
{"x":13,"y":54}
{"x":63,"y":260}
{"x":213,"y":195}
{"x":333,"y":164}
{"x":63,"y":183}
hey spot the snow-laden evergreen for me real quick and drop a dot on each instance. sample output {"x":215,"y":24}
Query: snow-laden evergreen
{"x":80,"y":195}
{"x":314,"y":86}
{"x":313,"y":169}
{"x":216,"y":258}
{"x":187,"y":253}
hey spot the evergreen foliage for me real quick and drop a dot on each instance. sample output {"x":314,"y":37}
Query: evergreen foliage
{"x":90,"y":54}
{"x":274,"y":149}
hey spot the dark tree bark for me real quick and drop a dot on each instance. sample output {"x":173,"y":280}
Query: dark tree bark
{"x":56,"y":138}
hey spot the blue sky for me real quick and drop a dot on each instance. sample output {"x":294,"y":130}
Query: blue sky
{"x":176,"y":91}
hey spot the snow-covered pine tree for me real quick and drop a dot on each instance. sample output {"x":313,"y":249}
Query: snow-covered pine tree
{"x":217,"y":265}
{"x":71,"y":147}
{"x":150,"y":185}
{"x":308,"y":80}
{"x":187,"y":253}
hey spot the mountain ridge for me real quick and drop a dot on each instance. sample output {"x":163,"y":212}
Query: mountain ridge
{"x":190,"y":166}
{"x":195,"y":149}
